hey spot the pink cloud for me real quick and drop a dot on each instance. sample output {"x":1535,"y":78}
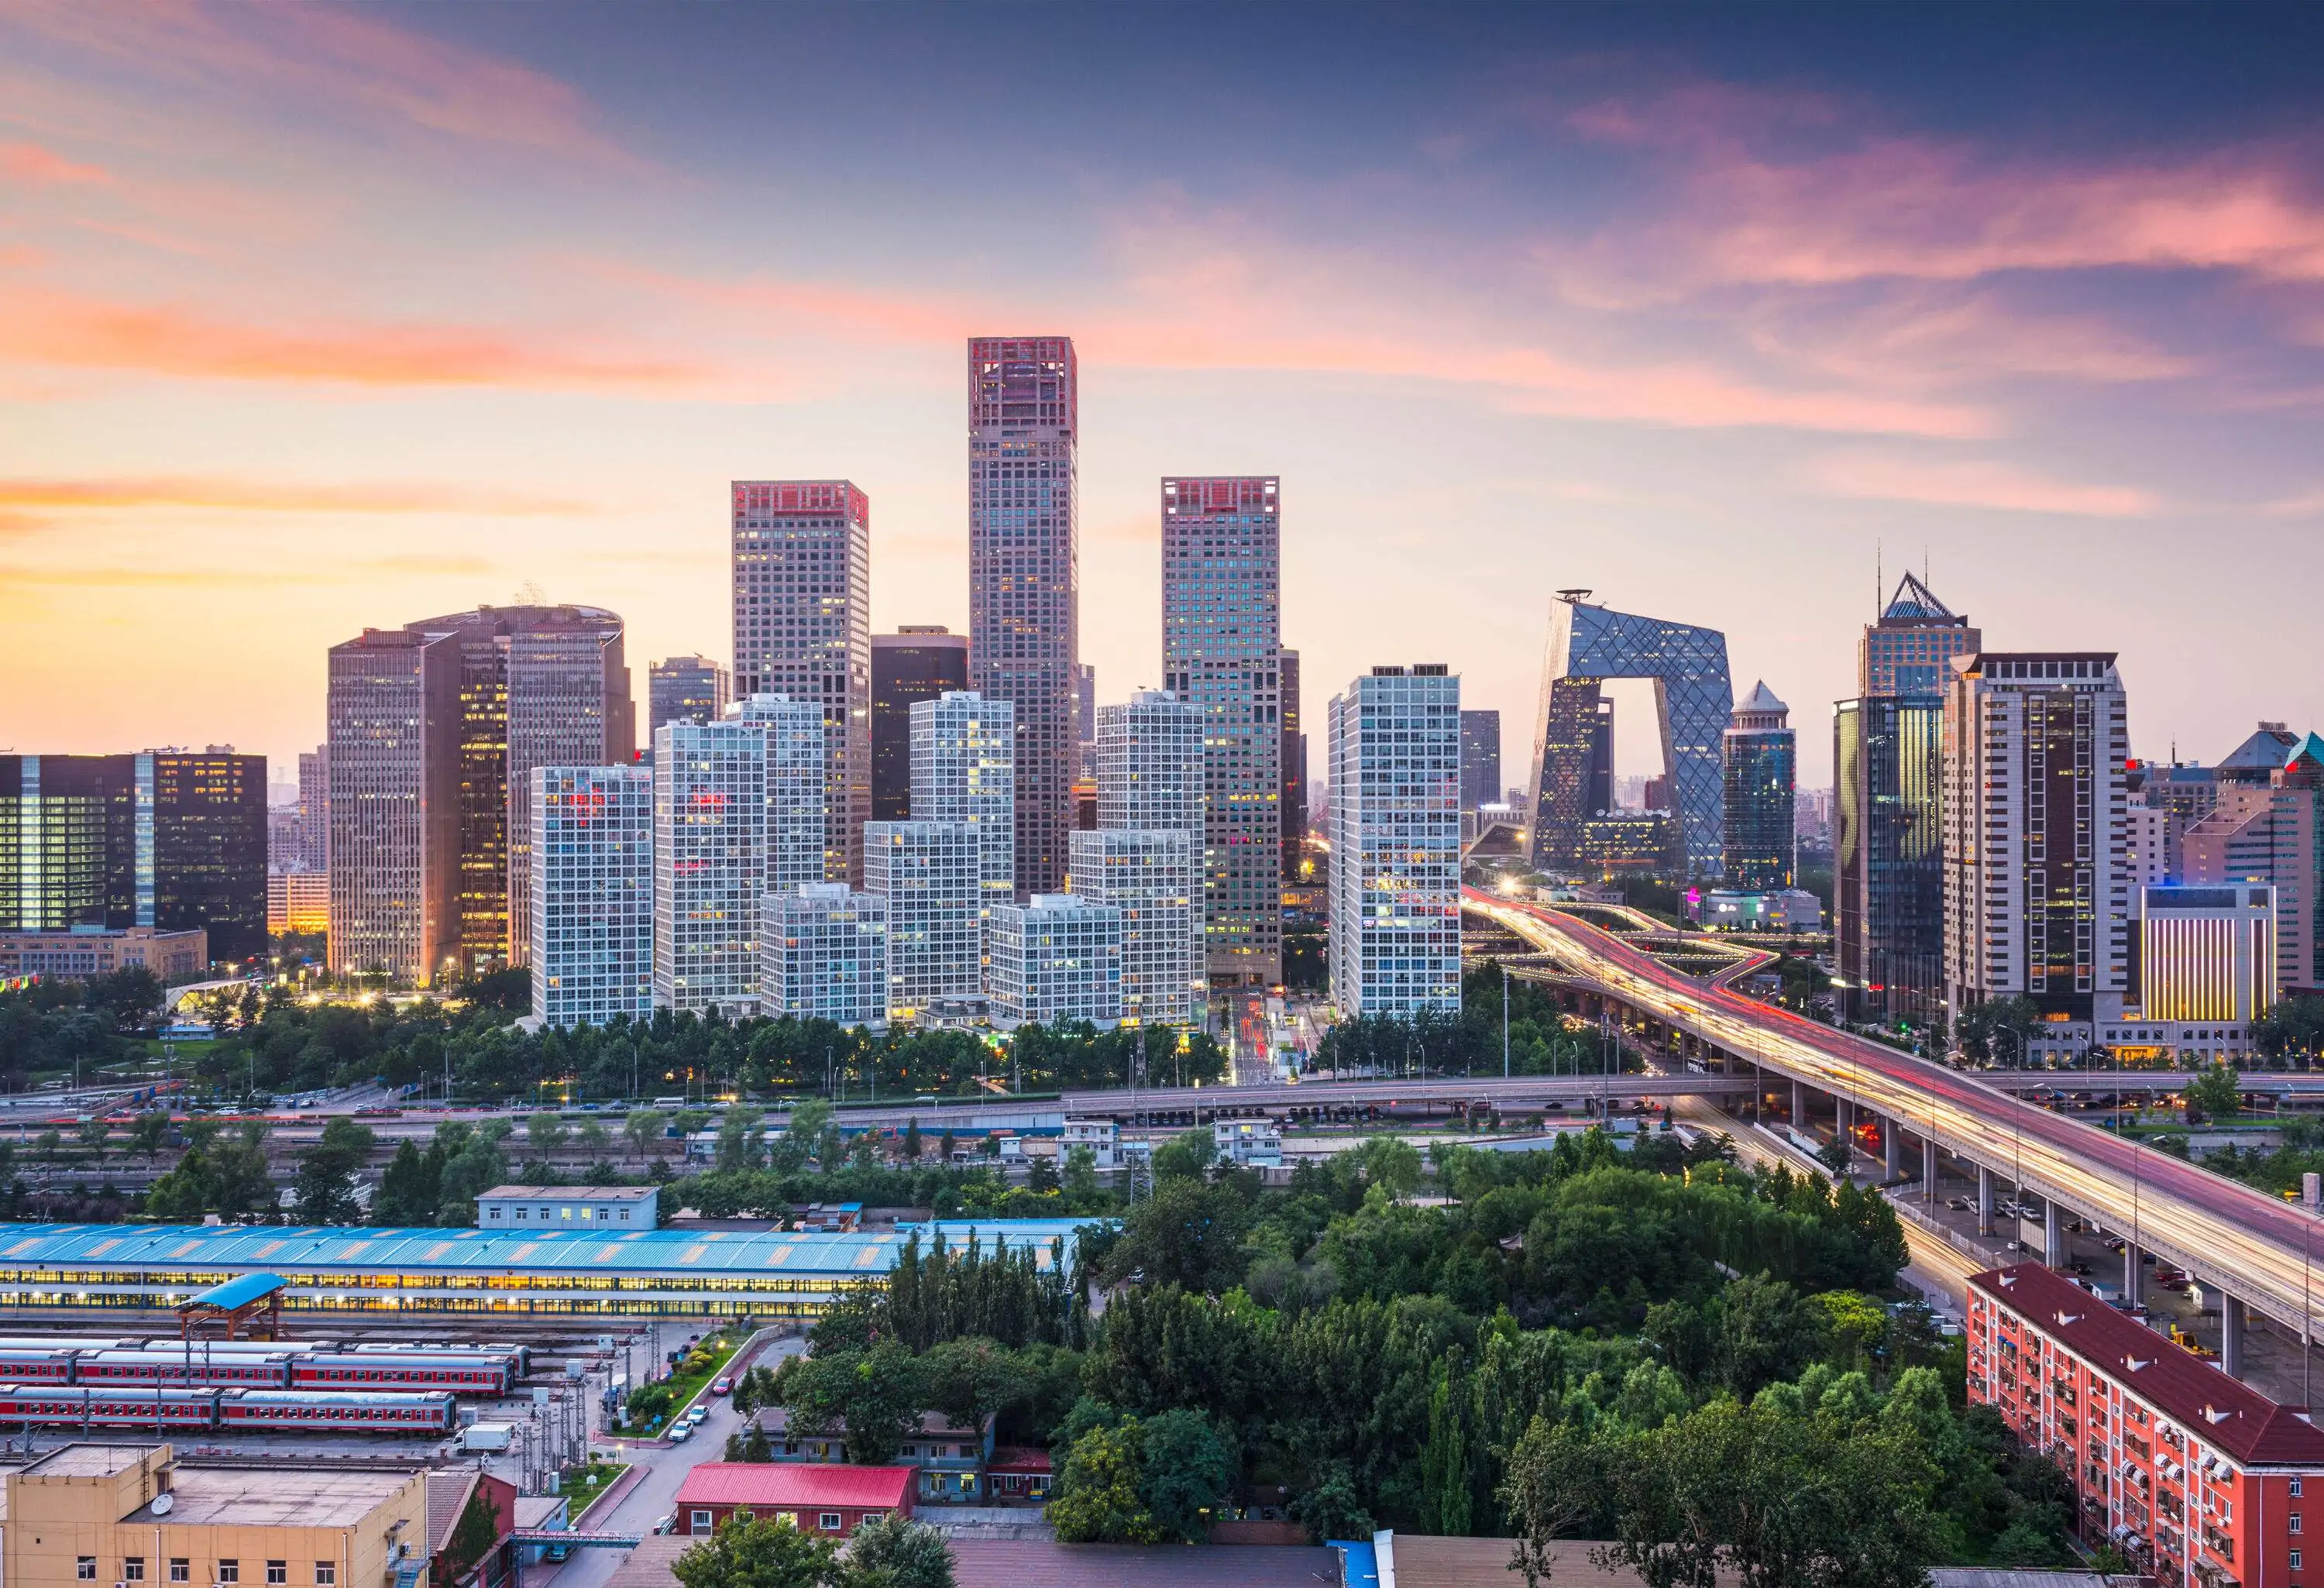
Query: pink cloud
{"x":241,"y":494}
{"x":44,"y":168}
{"x":1936,"y":336}
{"x":1969,"y":483}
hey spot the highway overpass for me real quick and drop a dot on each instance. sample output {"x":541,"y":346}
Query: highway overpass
{"x":2255,"y":1249}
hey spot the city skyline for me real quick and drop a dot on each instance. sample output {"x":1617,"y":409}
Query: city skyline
{"x":1725,"y":335}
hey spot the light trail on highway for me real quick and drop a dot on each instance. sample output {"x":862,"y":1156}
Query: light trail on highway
{"x":2259,"y":1246}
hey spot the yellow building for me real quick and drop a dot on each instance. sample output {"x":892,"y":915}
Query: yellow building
{"x":131,"y":1516}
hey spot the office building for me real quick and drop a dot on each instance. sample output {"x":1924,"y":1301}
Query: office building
{"x":1294,"y":753}
{"x":710,"y":861}
{"x":963,"y":746}
{"x":131,"y":1513}
{"x":687,"y":689}
{"x":1647,"y":845}
{"x":592,"y":910}
{"x":2036,"y":898}
{"x":918,"y":661}
{"x":2207,"y":954}
{"x":1588,"y":644}
{"x":931,"y":875}
{"x":1055,"y":959}
{"x":1783,"y":910}
{"x":1886,"y":833}
{"x":798,"y":767}
{"x":1151,"y":764}
{"x":1393,"y":757}
{"x":2150,"y":835}
{"x":1085,"y":723}
{"x":1758,"y":756}
{"x":1222,"y":651}
{"x":2189,"y":1471}
{"x":314,"y":810}
{"x":802,"y":563}
{"x":298,"y":901}
{"x":1480,"y":759}
{"x":1153,"y":879}
{"x":434,"y":731}
{"x":78,"y":953}
{"x":823,"y":954}
{"x":174,"y":840}
{"x":1024,"y":549}
{"x":2272,"y":831}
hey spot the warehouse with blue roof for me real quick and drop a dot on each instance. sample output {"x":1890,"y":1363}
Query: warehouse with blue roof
{"x":644,"y":1273}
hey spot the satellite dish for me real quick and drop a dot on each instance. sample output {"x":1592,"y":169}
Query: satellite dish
{"x":161,"y":1504}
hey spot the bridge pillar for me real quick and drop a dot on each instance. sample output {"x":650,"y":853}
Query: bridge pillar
{"x":1843,"y":1118}
{"x":1983,"y":1200}
{"x":2050,"y":1252}
{"x":1799,"y":1105}
{"x":1892,"y":1149}
{"x":2131,"y":1268}
{"x":1928,"y":1169}
{"x":2231,"y":1335}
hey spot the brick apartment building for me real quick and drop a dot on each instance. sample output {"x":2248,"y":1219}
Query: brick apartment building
{"x":2195,"y":1474}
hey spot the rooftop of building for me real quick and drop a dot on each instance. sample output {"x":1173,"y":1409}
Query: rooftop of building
{"x":1915,"y":603}
{"x":448,"y":1488}
{"x":936,"y":1425}
{"x":1761,"y":699}
{"x":795,"y":1487}
{"x":87,"y":1461}
{"x":2222,"y":1411}
{"x":282,"y":1496}
{"x":570,"y":1193}
{"x":304,"y":1251}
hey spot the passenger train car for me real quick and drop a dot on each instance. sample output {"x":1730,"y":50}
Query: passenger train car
{"x":463,"y":1375}
{"x":483,"y":1370}
{"x":429,"y":1414}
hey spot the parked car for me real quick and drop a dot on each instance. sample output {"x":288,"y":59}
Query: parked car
{"x":680,"y":1433}
{"x":722,"y":1385}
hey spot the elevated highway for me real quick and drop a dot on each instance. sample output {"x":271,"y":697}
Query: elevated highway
{"x":2257,"y":1249}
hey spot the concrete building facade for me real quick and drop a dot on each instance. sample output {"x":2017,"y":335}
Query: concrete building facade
{"x":710,"y":863}
{"x":1056,"y":958}
{"x":931,"y":875}
{"x":592,"y":910}
{"x":823,"y":956}
{"x":1395,"y":770}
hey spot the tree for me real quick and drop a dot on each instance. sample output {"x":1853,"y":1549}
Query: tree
{"x":1041,"y":1176}
{"x":592,"y":1139}
{"x":1998,"y":1030}
{"x":326,"y":1185}
{"x":2217,"y":1091}
{"x":1097,"y":1499}
{"x":644,"y":1130}
{"x":1189,"y":1233}
{"x":411,"y":1189}
{"x":747,"y":1552}
{"x":896,"y":1552}
{"x":1836,"y":1155}
{"x":876,"y":1392}
{"x":1080,"y":1178}
{"x":93,"y":1135}
{"x":146,"y":1136}
{"x":1555,"y":1485}
{"x":1333,"y":1509}
{"x":912,"y":1139}
{"x":1188,"y":1473}
{"x":1186,"y":1155}
{"x":546,"y":1132}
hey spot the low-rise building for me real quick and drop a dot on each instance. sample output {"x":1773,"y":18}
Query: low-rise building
{"x":1102,"y":1137}
{"x":1018,"y":1475}
{"x":135,"y":1514}
{"x":832,"y":1501}
{"x":569,"y":1207}
{"x":79,"y":952}
{"x":2197,"y":1475}
{"x":950,"y":1457}
{"x":470,"y":1515}
{"x":1783,"y":910}
{"x":1248,"y":1143}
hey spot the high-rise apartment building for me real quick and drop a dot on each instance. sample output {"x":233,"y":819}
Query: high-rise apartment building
{"x":962,"y":771}
{"x":529,"y":686}
{"x":918,"y":661}
{"x":1759,"y":759}
{"x":798,"y":780}
{"x":687,"y":689}
{"x":314,"y":809}
{"x":931,"y":874}
{"x":1480,"y":759}
{"x":1024,"y":549}
{"x":2272,"y":832}
{"x":175,"y":840}
{"x":1294,"y":763}
{"x":592,"y":880}
{"x":1221,"y":651}
{"x":1887,"y":833}
{"x":823,"y":951}
{"x":710,"y":861}
{"x":1395,"y":772}
{"x":2036,"y":896}
{"x":1056,"y":959}
{"x":1145,"y":857}
{"x":802,"y":557}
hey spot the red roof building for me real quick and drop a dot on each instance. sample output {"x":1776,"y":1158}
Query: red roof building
{"x":2197,"y":1475}
{"x":833,"y":1500}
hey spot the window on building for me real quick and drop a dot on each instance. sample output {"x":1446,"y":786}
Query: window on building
{"x":85,"y":1568}
{"x":830,"y":1521}
{"x":133,"y":1568}
{"x":2295,"y":1560}
{"x":700,"y":1522}
{"x":278,"y":1571}
{"x":327,"y":1572}
{"x":182,"y":1570}
{"x":229,"y":1571}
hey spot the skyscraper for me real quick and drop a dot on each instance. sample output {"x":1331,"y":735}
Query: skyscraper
{"x":1222,"y":651}
{"x":1084,"y":721}
{"x":2271,"y":832}
{"x":1395,"y":760}
{"x":314,"y":808}
{"x":918,"y":661}
{"x":1145,"y":856}
{"x":823,"y":956}
{"x":1294,"y":763}
{"x":167,"y":839}
{"x":687,"y":689}
{"x":931,"y":875}
{"x":963,"y":745}
{"x":1887,"y":833}
{"x":1759,"y":761}
{"x":1024,"y":575}
{"x":802,"y":560}
{"x":1055,"y":959}
{"x":710,"y":861}
{"x":2037,"y":896}
{"x":394,"y":714}
{"x":1480,"y":759}
{"x":591,"y":910}
{"x":798,"y":767}
{"x":568,"y":705}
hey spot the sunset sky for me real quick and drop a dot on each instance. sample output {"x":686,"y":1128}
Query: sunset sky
{"x":315,"y":317}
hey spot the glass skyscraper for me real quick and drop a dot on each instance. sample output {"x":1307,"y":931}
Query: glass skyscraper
{"x":1759,"y":761}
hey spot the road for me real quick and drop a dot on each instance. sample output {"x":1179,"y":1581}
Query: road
{"x":655,"y":1494}
{"x":2212,"y":1226}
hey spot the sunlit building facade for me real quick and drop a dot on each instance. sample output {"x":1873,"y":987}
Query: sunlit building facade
{"x":1024,"y":549}
{"x":798,"y":780}
{"x":931,"y":875}
{"x":823,"y":951}
{"x":1221,"y":652}
{"x":1056,"y":959}
{"x":710,"y":861}
{"x":1394,"y":760}
{"x":592,"y":910}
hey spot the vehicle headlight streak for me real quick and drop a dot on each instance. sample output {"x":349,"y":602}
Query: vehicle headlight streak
{"x":2200,"y":1221}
